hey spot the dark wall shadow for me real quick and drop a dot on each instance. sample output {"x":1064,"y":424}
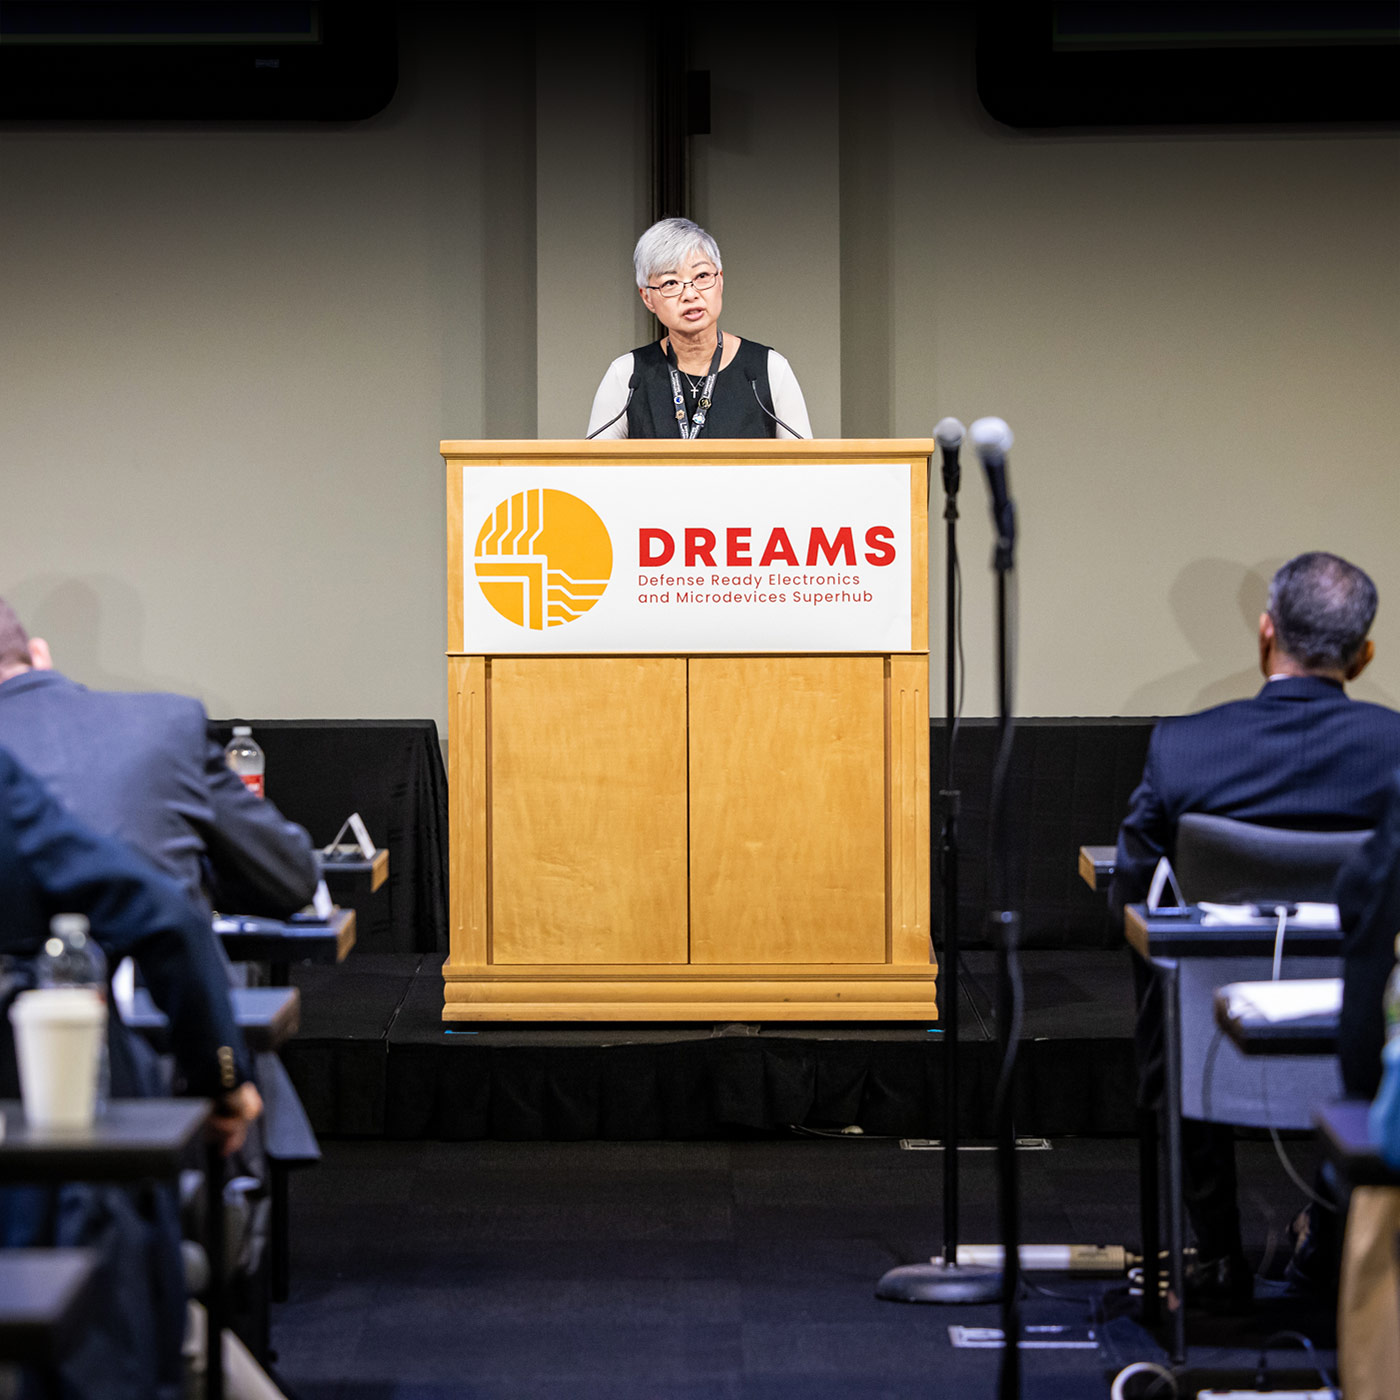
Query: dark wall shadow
{"x":96,"y":627}
{"x":1216,"y":603}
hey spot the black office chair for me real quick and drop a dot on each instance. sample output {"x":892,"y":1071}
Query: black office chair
{"x":1224,"y":861}
{"x":1232,"y":862}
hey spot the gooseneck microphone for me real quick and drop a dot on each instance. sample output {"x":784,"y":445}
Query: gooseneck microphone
{"x":992,"y":439}
{"x":631,"y":389}
{"x":753,"y":384}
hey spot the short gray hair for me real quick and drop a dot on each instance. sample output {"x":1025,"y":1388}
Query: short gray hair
{"x":1322,"y":608}
{"x":665,"y":245}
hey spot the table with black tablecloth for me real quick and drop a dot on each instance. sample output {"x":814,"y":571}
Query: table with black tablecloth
{"x":1070,"y":781}
{"x":389,"y":771}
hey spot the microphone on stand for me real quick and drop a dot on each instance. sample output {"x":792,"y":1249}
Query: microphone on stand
{"x":753,"y":384}
{"x":949,"y":436}
{"x":631,"y":389}
{"x":947,"y":1278}
{"x":992,"y":439}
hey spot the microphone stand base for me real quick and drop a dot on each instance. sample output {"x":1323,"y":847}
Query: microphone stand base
{"x":938,"y":1282}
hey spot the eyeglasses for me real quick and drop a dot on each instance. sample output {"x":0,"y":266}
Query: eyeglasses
{"x":673,"y":287}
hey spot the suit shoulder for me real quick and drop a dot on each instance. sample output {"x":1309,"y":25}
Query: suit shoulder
{"x":162,"y":701}
{"x":158,"y":720}
{"x":151,"y":704}
{"x":1223,"y":713}
{"x":1215,"y":720}
{"x":1381,"y":716}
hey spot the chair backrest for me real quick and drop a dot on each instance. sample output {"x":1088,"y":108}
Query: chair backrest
{"x":1233,"y":862}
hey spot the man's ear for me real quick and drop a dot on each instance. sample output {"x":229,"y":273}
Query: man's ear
{"x":1267,"y":639}
{"x":1363,"y":659}
{"x":41,"y":658}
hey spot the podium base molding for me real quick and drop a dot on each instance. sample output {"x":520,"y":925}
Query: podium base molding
{"x":839,"y":992}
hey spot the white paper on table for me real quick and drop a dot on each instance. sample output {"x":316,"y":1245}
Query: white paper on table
{"x":1286,"y":1001}
{"x":1162,"y":879}
{"x":1239,"y":915}
{"x":356,"y":824}
{"x":124,"y":988}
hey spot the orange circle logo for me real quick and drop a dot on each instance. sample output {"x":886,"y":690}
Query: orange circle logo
{"x":543,"y":558}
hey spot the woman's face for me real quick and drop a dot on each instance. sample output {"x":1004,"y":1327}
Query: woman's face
{"x":691,"y":311}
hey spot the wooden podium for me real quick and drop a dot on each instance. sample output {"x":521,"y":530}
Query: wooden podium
{"x":687,"y":835}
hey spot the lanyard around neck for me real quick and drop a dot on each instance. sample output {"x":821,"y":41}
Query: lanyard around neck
{"x":690,"y":428}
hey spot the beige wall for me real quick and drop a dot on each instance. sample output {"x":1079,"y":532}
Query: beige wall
{"x":767,"y":182}
{"x":1194,"y":336}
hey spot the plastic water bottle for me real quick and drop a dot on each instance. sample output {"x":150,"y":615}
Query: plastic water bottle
{"x":243,"y":754}
{"x":71,"y":957}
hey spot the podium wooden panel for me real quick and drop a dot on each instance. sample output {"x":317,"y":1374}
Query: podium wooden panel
{"x":588,"y":817}
{"x":787,"y":809}
{"x":689,"y":837}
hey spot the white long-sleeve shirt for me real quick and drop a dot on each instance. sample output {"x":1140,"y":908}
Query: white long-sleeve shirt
{"x":788,"y":403}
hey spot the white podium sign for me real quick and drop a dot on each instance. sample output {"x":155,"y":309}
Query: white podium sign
{"x":734,"y":558}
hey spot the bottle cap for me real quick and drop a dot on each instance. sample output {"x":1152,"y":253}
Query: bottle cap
{"x":242,"y":731}
{"x":68,"y":925}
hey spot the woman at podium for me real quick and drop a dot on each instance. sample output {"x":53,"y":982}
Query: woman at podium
{"x":697,"y":379}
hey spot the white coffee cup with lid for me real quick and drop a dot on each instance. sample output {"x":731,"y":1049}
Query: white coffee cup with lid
{"x":59,"y":1032}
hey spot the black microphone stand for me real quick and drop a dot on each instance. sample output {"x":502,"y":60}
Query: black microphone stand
{"x":944,"y":1280}
{"x":1004,"y":929}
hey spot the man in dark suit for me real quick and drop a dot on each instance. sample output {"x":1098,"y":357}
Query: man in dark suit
{"x":50,"y":864}
{"x":142,"y":767}
{"x":1299,"y":754}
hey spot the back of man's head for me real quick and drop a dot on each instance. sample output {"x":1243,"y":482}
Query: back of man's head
{"x":1322,"y":607}
{"x":14,"y":640}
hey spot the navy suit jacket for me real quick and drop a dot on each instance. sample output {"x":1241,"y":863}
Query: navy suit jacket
{"x":1299,"y":754}
{"x":129,"y":1346}
{"x":51,"y":864}
{"x":141,"y":766}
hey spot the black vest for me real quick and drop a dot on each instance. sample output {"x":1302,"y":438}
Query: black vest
{"x":734,"y":413}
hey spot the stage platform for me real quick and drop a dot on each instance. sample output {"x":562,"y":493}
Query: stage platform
{"x":374,"y":1059}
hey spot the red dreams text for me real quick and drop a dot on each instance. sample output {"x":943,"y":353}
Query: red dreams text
{"x":656,"y":548}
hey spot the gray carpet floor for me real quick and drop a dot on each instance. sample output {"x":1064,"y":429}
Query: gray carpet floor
{"x":729,"y":1270}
